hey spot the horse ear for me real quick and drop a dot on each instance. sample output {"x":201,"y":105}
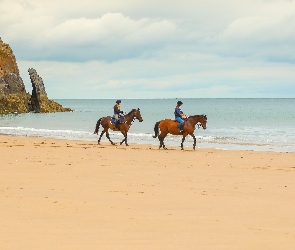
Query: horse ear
{"x":138,"y":109}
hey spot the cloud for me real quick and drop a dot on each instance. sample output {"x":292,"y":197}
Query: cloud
{"x":112,"y":36}
{"x":130,"y":79}
{"x":130,"y":48}
{"x":268,"y":36}
{"x":109,"y":28}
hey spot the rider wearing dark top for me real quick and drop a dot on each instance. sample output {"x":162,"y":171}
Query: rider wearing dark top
{"x":179,"y":115}
{"x":117,"y":112}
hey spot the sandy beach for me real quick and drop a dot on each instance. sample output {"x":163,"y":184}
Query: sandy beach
{"x":59,"y":194}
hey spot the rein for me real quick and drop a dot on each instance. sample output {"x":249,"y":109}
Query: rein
{"x":199,"y":124}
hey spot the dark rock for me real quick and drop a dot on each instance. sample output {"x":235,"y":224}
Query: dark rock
{"x":13,"y":95}
{"x":39,"y":100}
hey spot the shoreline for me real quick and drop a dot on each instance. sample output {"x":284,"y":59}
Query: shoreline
{"x":173,"y":143}
{"x":67,"y":194}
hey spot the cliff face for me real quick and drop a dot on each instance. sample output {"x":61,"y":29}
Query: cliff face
{"x":39,"y":100}
{"x":13,"y":95}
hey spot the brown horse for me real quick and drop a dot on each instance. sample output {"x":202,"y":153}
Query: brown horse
{"x":171,"y":126}
{"x":105,"y":122}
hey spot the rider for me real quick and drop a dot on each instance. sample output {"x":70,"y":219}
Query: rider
{"x":179,"y":115}
{"x":117,"y":112}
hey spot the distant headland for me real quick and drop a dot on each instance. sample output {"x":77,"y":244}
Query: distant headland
{"x":13,"y":95}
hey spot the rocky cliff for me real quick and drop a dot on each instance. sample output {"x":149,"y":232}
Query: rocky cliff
{"x":13,"y":95}
{"x":39,"y":100}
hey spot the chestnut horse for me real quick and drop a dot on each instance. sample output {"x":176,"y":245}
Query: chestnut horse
{"x":105,"y":122}
{"x":171,"y":126}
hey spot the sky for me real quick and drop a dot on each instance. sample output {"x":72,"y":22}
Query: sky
{"x":154,"y":49}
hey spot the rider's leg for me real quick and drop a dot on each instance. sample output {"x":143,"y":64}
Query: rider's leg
{"x":116,"y":116}
{"x":118,"y":121}
{"x":179,"y":119}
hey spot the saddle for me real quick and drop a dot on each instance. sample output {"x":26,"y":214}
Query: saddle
{"x":113,"y":120}
{"x":117,"y":122}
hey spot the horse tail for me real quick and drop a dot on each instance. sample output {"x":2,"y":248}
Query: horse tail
{"x":156,"y":129}
{"x":97,"y":126}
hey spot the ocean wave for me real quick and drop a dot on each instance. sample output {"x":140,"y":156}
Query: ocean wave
{"x":226,"y":142}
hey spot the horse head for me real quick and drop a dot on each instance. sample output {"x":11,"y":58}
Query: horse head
{"x":132,"y":115}
{"x":203,"y":121}
{"x":138,"y":115}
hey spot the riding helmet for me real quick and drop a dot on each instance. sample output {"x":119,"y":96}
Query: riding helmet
{"x":118,"y":101}
{"x":179,"y":103}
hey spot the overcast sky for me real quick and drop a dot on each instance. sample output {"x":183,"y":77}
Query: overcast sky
{"x":154,"y":49}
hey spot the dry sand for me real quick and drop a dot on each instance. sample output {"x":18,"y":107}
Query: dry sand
{"x":59,"y":194}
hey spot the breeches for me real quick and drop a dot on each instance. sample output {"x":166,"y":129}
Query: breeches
{"x":179,"y":119}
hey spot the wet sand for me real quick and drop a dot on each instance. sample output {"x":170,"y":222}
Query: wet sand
{"x":59,"y":194}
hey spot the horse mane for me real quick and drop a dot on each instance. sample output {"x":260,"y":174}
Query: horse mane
{"x":195,"y":116}
{"x":131,"y":111}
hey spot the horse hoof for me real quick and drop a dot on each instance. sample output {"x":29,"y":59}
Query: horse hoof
{"x":182,"y":149}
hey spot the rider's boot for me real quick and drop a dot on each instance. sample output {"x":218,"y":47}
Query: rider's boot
{"x":181,"y":127}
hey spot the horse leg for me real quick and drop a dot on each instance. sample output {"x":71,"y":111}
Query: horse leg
{"x":124,"y":140}
{"x":183,"y":139}
{"x":161,"y":143}
{"x":108,"y":136}
{"x":161,"y":139}
{"x":101,"y":134}
{"x":124,"y":130}
{"x":195,"y":141}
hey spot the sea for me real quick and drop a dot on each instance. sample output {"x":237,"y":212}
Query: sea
{"x":258,"y":124}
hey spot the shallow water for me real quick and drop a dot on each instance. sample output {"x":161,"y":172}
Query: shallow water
{"x":251,"y":124}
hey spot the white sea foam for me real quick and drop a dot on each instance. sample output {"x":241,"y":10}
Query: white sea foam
{"x":255,"y":124}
